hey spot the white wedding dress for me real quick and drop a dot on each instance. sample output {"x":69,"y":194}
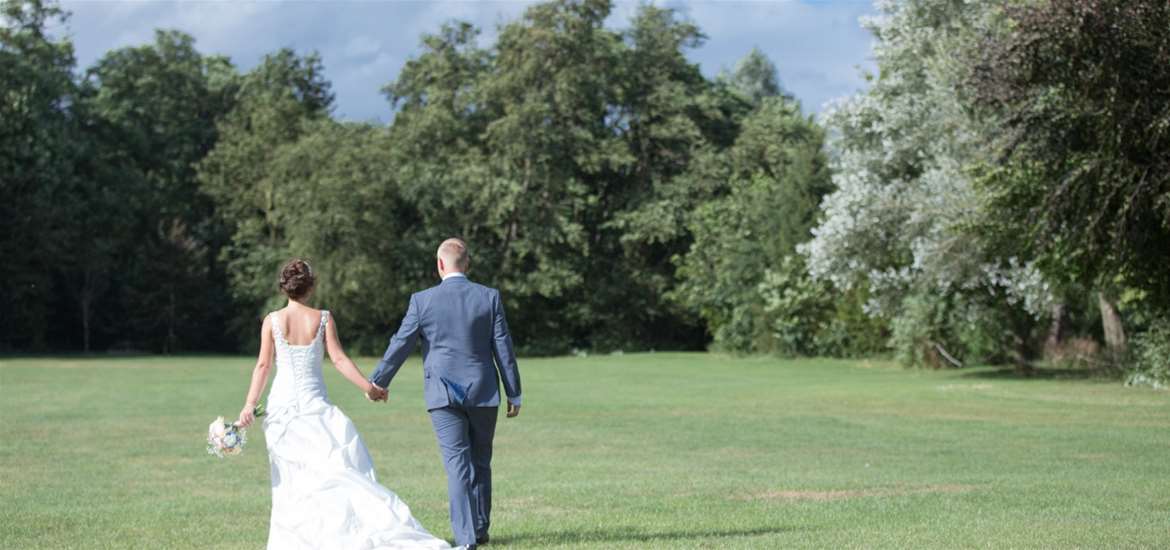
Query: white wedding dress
{"x":324,"y":493}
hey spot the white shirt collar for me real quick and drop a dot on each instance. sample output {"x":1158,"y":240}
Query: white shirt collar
{"x":454,"y":274}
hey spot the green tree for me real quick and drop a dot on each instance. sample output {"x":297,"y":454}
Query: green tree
{"x":518,"y":154}
{"x":36,"y":95}
{"x":154,"y":110}
{"x":670,"y":119}
{"x":98,"y":230}
{"x":564,"y":155}
{"x":1083,"y":170}
{"x":778,"y":173}
{"x":274,"y":105}
{"x":548,"y":147}
{"x":438,"y":153}
{"x":341,"y":207}
{"x":755,"y":77}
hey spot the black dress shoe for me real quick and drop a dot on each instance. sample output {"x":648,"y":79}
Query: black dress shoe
{"x":482,"y":540}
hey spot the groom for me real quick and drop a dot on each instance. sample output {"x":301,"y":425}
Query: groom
{"x":465,"y":341}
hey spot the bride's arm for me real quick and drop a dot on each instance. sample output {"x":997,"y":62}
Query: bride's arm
{"x":341,"y":361}
{"x":259,"y":374}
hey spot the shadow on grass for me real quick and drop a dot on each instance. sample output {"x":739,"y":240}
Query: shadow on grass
{"x":632,"y":534}
{"x":1039,"y":373}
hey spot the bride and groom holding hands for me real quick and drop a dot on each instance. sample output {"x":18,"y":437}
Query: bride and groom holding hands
{"x":324,"y":490}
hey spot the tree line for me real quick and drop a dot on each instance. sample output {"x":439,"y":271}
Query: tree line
{"x":998,"y":193}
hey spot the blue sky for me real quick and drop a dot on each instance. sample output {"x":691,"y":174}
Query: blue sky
{"x":819,"y":47}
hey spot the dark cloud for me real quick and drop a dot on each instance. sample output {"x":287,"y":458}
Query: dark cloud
{"x":817,"y":46}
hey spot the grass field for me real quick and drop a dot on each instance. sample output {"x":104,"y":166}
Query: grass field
{"x":655,"y":450}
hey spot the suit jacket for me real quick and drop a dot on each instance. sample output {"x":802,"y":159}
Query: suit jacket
{"x":466,"y":346}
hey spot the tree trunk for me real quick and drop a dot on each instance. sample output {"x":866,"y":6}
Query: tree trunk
{"x":86,"y":308}
{"x":510,"y":235}
{"x":1111,"y":323}
{"x":1019,"y":353}
{"x":1054,"y":342}
{"x":169,"y":346}
{"x":1055,"y":328}
{"x":85,"y":315}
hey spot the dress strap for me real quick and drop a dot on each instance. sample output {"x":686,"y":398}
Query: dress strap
{"x":324,"y":324}
{"x":276,"y":330}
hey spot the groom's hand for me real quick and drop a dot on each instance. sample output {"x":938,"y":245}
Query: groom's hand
{"x":513,"y":410}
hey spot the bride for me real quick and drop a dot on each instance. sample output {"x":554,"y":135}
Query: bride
{"x":324,"y":492}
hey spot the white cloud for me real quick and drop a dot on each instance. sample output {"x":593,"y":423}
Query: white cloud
{"x":362,"y":46}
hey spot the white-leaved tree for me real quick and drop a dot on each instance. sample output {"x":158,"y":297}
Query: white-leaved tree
{"x":904,"y":217}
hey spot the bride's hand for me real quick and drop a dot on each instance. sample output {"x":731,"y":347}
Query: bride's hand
{"x":247,"y":416}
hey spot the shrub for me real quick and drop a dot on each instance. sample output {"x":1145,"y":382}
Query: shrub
{"x":1151,"y":357}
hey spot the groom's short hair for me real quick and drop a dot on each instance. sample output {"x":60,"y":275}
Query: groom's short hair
{"x":454,"y":251}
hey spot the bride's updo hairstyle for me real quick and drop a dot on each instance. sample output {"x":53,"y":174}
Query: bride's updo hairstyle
{"x":296,"y":279}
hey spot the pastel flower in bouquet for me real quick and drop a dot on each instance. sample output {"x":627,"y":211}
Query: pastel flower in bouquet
{"x":228,"y":439}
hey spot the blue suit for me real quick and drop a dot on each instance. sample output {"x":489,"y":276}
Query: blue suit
{"x":467,"y":352}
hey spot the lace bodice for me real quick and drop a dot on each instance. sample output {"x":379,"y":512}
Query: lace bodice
{"x":298,"y":382}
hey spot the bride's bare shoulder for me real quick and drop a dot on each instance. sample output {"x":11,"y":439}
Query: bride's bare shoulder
{"x":300,"y":316}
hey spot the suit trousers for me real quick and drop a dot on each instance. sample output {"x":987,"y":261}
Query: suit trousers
{"x":465,"y":441}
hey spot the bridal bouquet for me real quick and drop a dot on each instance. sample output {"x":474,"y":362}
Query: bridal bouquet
{"x":224,"y":439}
